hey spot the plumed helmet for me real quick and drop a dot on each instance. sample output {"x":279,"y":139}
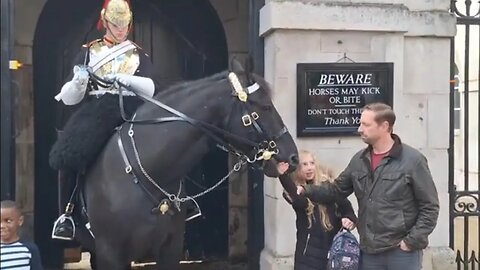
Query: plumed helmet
{"x":117,"y":12}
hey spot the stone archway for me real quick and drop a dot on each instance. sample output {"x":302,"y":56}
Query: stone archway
{"x":185,"y":40}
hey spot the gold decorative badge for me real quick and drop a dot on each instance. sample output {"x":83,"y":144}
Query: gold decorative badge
{"x":164,"y":207}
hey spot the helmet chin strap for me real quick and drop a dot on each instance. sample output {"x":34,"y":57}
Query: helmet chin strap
{"x":115,"y":38}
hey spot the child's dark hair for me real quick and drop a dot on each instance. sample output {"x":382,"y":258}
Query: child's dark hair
{"x":10,"y":204}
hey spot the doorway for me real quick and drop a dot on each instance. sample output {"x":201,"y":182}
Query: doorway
{"x":185,"y":40}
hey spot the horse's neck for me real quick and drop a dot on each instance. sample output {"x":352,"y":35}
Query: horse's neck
{"x":211,"y":106}
{"x":176,"y":147}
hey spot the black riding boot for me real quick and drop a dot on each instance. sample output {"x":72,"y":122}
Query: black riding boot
{"x":64,"y":226}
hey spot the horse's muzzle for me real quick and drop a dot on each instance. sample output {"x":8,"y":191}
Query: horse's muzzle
{"x":293,"y":163}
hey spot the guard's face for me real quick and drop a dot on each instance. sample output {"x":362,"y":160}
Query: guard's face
{"x":117,"y":32}
{"x":370,"y":131}
{"x":11,"y":221}
{"x":307,"y":167}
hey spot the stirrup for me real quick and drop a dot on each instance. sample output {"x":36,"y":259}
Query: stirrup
{"x":64,"y":218}
{"x":198,"y":211}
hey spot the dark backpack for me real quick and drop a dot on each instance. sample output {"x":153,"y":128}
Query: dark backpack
{"x":344,"y":254}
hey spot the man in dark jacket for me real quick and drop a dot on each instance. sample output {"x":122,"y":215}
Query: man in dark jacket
{"x":397,"y":198}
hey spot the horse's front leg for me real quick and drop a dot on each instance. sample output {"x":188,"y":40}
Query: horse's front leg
{"x":170,"y":253}
{"x":110,"y":256}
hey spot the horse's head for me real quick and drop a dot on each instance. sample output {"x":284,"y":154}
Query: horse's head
{"x":255,"y":118}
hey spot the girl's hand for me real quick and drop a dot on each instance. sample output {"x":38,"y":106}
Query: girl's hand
{"x":348,"y":224}
{"x":282,"y":167}
{"x":300,"y":190}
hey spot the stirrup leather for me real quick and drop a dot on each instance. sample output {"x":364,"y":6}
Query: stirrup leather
{"x":63,"y":218}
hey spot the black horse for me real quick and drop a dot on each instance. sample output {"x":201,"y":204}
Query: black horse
{"x":122,"y":221}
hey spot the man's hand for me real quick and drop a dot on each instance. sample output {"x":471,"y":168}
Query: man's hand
{"x":300,"y":190}
{"x":141,"y":85}
{"x":80,"y":77}
{"x":348,"y":224}
{"x":117,"y":77}
{"x":282,"y":167}
{"x":403,"y":246}
{"x":73,"y":91}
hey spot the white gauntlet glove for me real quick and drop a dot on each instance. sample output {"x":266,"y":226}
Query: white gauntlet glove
{"x":73,"y":91}
{"x":139,"y":84}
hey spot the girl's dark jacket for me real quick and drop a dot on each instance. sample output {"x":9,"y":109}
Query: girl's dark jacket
{"x":313,"y":243}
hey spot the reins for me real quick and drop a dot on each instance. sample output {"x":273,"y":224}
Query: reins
{"x":263,"y":150}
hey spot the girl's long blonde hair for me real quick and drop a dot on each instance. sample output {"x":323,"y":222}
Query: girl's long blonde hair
{"x":322,"y":174}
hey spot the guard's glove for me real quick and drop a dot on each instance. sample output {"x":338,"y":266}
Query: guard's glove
{"x":140,"y":85}
{"x":73,"y":91}
{"x":81,"y":75}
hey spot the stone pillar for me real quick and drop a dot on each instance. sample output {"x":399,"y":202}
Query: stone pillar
{"x":414,"y":35}
{"x":26,"y":16}
{"x":234,"y":18}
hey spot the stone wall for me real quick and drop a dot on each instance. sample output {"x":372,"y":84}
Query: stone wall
{"x":414,"y":35}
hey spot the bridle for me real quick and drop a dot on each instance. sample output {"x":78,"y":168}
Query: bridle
{"x":267,"y":147}
{"x":262,"y":150}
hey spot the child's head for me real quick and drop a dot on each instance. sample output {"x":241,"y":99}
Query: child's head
{"x":11,"y":221}
{"x":310,"y":171}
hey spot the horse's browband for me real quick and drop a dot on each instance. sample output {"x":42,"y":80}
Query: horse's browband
{"x":252,"y":88}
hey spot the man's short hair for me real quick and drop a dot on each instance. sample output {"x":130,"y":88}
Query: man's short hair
{"x":383,"y":112}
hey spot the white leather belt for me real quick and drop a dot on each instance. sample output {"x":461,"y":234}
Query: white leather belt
{"x":113,"y":92}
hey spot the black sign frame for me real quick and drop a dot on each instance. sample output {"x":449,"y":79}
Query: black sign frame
{"x":381,"y":81}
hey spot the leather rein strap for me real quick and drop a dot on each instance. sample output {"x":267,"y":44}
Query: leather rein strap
{"x":207,"y":128}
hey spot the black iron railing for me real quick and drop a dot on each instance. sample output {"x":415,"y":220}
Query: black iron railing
{"x":464,"y":204}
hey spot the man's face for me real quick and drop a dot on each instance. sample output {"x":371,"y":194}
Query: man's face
{"x":11,"y":221}
{"x":370,"y":131}
{"x":117,"y":32}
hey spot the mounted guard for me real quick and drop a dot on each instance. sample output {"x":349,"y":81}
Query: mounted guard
{"x":113,"y":57}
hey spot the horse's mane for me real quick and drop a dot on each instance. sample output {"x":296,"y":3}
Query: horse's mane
{"x":207,"y":82}
{"x":193,"y":85}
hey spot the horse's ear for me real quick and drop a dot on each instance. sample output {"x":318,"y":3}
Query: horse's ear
{"x":249,"y":66}
{"x":235,"y":65}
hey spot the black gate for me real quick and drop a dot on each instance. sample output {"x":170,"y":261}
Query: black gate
{"x":464,"y":158}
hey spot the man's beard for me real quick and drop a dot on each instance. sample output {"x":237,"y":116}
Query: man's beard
{"x":367,"y":140}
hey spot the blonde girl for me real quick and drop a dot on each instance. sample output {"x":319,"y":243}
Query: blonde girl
{"x":316,"y":224}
